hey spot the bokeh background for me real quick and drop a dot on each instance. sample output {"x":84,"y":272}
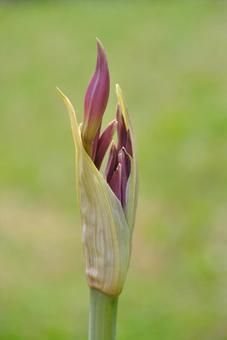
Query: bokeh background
{"x":170,"y":58}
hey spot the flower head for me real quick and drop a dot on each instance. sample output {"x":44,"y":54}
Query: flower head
{"x":107,"y":198}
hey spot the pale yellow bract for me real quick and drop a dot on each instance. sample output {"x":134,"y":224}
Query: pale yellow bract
{"x":107,"y":228}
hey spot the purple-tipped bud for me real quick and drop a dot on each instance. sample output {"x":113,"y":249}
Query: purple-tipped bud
{"x":119,"y":163}
{"x":121,"y":129}
{"x":115,"y":182}
{"x":95,"y":100}
{"x":111,"y":163}
{"x":104,"y":142}
{"x":107,"y":206}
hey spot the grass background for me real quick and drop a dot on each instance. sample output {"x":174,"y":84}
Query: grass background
{"x":170,"y":60}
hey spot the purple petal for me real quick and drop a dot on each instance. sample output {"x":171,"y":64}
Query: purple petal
{"x":115,"y":182}
{"x":96,"y":98}
{"x":104,"y":142}
{"x":111,"y":163}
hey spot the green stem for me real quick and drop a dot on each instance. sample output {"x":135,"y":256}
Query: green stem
{"x":102,"y":316}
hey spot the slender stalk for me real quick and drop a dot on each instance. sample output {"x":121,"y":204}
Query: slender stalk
{"x":102,"y":316}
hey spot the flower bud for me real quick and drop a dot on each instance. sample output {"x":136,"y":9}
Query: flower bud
{"x":95,"y":100}
{"x":107,"y":202}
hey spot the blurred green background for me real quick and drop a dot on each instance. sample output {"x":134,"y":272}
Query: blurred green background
{"x":170,"y":58}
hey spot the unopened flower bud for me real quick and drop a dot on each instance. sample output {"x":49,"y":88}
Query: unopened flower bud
{"x":107,"y":202}
{"x":95,"y":100}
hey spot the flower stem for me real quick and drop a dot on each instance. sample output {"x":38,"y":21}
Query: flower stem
{"x":102,"y":316}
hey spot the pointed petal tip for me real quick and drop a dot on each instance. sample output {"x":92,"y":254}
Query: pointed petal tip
{"x":61,"y":94}
{"x":119,"y":95}
{"x":118,"y":88}
{"x":64,"y":98}
{"x":73,"y":119}
{"x":99,"y":43}
{"x":101,"y":53}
